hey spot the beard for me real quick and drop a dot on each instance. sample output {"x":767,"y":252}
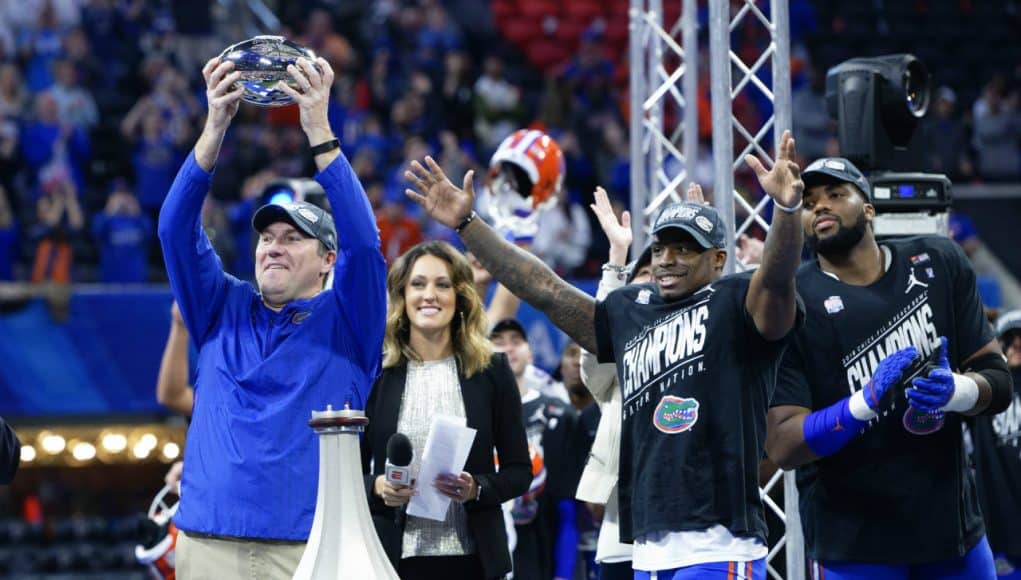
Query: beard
{"x":840,"y":243}
{"x":579,"y":390}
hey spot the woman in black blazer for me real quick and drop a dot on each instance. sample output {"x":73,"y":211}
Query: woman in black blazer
{"x":437,"y":360}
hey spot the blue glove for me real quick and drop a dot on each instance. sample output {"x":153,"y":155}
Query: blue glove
{"x":888,"y":373}
{"x":828,"y":430}
{"x":932,"y":393}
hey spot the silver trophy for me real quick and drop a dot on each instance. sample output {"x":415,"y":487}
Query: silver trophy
{"x":343,"y":541}
{"x":262,"y":62}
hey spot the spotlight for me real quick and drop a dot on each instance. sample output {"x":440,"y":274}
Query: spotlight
{"x":114,"y":442}
{"x":877,"y":103}
{"x":83,"y":451}
{"x":27,"y":454}
{"x":51,"y":443}
{"x":149,"y":440}
{"x":283,"y":191}
{"x":141,"y":450}
{"x":171,"y":450}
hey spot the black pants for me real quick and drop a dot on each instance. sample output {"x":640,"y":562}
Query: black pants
{"x":441,"y":567}
{"x":533,"y":556}
{"x":616,"y":571}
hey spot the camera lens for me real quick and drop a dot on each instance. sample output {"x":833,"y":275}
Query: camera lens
{"x":916,"y":88}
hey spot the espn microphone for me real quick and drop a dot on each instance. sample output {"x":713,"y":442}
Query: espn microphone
{"x":398,"y":458}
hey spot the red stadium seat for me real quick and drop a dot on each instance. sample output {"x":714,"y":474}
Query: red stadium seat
{"x":538,"y":8}
{"x":546,"y":53}
{"x":617,"y":31}
{"x":585,"y":10}
{"x":569,"y":32}
{"x":503,"y":10}
{"x":521,"y":30}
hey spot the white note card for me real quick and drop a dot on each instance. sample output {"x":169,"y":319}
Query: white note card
{"x":446,"y":451}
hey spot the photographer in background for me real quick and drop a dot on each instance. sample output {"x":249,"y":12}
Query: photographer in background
{"x":122,"y":233}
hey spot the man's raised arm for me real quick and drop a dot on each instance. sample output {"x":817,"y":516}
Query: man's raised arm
{"x":522,"y":273}
{"x":771,"y":299}
{"x":360,"y":270}
{"x":195,"y":272}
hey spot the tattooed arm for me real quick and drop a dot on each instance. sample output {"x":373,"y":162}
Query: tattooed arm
{"x":530,"y":279}
{"x":522,"y":273}
{"x":771,"y":299}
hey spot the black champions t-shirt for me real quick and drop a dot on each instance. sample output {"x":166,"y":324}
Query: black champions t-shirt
{"x":696,"y":378}
{"x":997,"y":442}
{"x":890,"y":495}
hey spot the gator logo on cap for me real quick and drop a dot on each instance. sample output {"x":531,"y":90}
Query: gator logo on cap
{"x":308,"y":214}
{"x":675,"y":414}
{"x":920,"y":423}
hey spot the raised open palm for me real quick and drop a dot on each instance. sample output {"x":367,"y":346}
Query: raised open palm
{"x":618,"y":233}
{"x":782,"y":182}
{"x":441,"y":199}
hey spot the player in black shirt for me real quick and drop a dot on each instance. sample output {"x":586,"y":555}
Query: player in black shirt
{"x":545,"y":521}
{"x":885,"y":487}
{"x":997,"y":443}
{"x":696,"y":355}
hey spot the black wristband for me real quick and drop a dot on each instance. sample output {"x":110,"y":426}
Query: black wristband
{"x":466,"y":221}
{"x":326,"y":147}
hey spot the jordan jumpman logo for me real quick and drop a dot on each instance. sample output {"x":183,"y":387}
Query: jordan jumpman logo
{"x":912,"y":282}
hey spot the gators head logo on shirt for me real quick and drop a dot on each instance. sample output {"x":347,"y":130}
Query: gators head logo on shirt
{"x":921,"y":423}
{"x":675,"y":414}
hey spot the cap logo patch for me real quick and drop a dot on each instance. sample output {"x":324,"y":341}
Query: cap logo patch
{"x":679,"y":212}
{"x":832,"y":164}
{"x":704,"y":223}
{"x":308,"y":214}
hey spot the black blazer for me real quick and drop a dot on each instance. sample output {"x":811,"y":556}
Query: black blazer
{"x":493,"y":407}
{"x":10,"y":451}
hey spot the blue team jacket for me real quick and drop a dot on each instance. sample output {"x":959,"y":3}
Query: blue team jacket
{"x":251,"y":461}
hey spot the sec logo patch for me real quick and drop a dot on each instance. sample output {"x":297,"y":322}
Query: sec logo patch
{"x":675,"y":414}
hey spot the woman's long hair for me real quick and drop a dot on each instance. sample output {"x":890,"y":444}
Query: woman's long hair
{"x":468,"y":326}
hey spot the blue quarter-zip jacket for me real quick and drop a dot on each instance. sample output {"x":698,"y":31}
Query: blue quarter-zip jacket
{"x":251,"y":461}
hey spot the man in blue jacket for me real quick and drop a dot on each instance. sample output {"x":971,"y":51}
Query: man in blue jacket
{"x":267,"y":358}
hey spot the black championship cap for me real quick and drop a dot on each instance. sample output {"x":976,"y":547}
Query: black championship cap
{"x":511,"y":325}
{"x":702,"y":222}
{"x":1007,"y":322}
{"x":311,"y":219}
{"x":831,"y":169}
